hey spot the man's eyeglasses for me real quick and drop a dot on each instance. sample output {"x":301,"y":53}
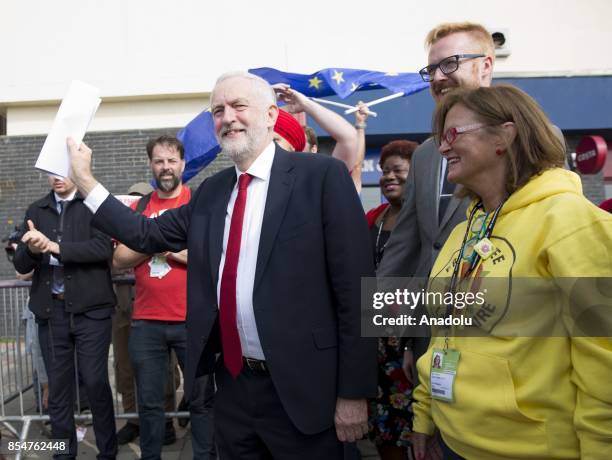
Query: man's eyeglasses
{"x":447,"y":65}
{"x":451,"y":134}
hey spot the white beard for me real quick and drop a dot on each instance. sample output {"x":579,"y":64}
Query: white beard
{"x":238,"y":150}
{"x":246,"y":147}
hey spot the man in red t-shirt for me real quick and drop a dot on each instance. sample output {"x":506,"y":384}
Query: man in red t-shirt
{"x":160,"y":303}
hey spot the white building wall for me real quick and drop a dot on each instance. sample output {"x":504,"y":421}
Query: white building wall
{"x":111,"y":116}
{"x":137,"y":51}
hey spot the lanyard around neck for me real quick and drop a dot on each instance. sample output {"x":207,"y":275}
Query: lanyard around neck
{"x":379,"y":251}
{"x":475,"y":257}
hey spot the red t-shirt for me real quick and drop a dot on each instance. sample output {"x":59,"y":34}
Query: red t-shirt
{"x":163,"y":299}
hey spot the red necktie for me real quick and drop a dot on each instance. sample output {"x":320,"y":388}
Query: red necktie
{"x":230,"y":340}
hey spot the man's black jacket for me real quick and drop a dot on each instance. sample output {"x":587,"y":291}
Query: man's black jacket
{"x":84,"y":251}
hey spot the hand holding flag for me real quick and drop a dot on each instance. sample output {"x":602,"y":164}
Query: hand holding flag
{"x":344,"y":82}
{"x":295,"y":101}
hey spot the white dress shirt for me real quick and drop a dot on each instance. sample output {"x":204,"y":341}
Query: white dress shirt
{"x":443,"y":167}
{"x":58,"y":273}
{"x":96,"y":197}
{"x":52,"y":259}
{"x":257,"y":193}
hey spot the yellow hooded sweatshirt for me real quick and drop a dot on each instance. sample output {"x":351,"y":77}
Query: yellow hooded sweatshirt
{"x":530,"y":397}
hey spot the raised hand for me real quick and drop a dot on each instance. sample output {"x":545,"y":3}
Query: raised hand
{"x":296,"y":101}
{"x":362,"y":114}
{"x":80,"y":167}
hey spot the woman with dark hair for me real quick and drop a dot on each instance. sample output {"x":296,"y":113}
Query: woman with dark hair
{"x":394,"y":163}
{"x":390,"y":422}
{"x":521,"y":383}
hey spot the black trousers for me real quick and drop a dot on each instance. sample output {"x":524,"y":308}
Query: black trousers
{"x":251,"y":423}
{"x":90,"y":335}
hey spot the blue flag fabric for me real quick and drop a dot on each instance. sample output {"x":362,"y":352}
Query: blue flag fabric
{"x":201,"y":146}
{"x":343,"y":82}
{"x":198,"y":137}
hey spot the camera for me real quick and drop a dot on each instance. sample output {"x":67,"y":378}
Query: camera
{"x":13,"y":238}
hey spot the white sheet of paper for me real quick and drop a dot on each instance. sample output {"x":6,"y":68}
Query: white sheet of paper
{"x":73,"y":117}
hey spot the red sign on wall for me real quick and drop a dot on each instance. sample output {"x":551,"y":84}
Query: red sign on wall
{"x":591,"y":154}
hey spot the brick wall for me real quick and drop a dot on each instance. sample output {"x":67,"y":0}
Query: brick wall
{"x":119,"y":160}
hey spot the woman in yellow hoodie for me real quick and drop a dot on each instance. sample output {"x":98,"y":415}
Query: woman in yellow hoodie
{"x":537,"y":382}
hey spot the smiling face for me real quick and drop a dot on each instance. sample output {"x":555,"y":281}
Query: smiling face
{"x":472,"y":159}
{"x":167,"y":167}
{"x":243,"y":120}
{"x":393,"y":179}
{"x":471,"y":73}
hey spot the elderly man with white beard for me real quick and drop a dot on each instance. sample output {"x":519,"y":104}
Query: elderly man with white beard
{"x":278,"y":245}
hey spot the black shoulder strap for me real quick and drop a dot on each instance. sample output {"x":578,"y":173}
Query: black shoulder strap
{"x":143,"y":202}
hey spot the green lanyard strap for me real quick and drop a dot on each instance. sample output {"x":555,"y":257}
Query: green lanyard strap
{"x":475,"y":257}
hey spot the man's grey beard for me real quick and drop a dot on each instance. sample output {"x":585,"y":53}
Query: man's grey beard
{"x":168,"y":185}
{"x":241,"y":152}
{"x":239,"y":155}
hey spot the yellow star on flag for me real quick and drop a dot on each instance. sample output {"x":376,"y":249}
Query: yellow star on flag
{"x":338,"y":77}
{"x":354,"y":87}
{"x":314,"y":82}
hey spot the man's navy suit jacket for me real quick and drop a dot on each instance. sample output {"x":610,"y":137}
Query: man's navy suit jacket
{"x":313,"y":250}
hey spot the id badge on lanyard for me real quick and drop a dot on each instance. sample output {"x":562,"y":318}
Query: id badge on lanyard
{"x":444,"y":365}
{"x":159,"y":267}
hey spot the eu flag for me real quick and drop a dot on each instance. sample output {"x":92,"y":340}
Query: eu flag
{"x":343,"y":82}
{"x":201,"y":146}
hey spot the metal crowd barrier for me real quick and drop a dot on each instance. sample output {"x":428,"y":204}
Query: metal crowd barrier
{"x":19,"y":359}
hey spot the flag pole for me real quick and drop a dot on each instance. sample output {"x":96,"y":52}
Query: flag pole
{"x":338,"y":104}
{"x":375,"y":101}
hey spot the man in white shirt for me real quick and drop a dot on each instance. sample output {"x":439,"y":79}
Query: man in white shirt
{"x":278,"y":245}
